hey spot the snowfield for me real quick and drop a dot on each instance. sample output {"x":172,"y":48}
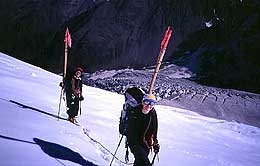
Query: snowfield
{"x":31,"y":133}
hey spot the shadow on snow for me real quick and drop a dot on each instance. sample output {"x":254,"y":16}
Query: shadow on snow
{"x":60,"y":152}
{"x":35,"y":109}
{"x":55,"y":150}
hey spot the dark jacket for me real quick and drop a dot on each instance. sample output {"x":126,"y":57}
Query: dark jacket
{"x":76,"y":86}
{"x":73,"y":86}
{"x":142,"y":128}
{"x":73,"y":96}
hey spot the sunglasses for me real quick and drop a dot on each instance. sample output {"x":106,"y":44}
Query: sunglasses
{"x":149,"y":102}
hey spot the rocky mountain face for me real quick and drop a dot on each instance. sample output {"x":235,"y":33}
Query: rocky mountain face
{"x":226,"y":54}
{"x":113,"y":34}
{"x":105,"y":33}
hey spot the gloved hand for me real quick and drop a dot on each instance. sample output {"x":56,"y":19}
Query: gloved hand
{"x":156,"y":147}
{"x":81,"y":98}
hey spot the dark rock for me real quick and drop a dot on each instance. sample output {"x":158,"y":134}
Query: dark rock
{"x":114,"y":34}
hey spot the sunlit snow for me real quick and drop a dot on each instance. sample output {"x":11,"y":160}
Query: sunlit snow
{"x":31,"y":133}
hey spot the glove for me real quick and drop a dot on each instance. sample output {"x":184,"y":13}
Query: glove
{"x":156,"y":147}
{"x":81,"y":98}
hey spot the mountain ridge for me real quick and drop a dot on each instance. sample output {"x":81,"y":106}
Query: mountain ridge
{"x":217,"y":40}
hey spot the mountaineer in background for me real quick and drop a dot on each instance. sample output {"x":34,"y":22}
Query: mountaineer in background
{"x":73,"y":90}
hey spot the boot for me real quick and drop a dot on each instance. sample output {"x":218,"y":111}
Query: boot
{"x":71,"y":120}
{"x":75,"y":120}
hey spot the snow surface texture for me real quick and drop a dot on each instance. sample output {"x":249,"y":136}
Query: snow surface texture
{"x":31,"y":133}
{"x":173,"y":88}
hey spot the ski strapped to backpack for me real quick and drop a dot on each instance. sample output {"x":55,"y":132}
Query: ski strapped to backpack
{"x":134,"y":95}
{"x":67,"y":42}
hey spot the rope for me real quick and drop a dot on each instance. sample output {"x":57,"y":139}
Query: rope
{"x":100,"y":144}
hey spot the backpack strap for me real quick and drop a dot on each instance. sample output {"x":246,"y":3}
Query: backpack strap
{"x":145,"y":142}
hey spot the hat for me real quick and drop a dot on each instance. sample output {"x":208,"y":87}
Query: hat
{"x":149,"y":97}
{"x":79,"y":69}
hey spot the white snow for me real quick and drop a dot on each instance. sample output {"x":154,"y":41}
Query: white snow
{"x":31,"y":134}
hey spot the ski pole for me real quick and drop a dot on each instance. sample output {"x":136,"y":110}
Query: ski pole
{"x":116,"y":149}
{"x":80,"y":107}
{"x":153,"y":159}
{"x":60,"y":103}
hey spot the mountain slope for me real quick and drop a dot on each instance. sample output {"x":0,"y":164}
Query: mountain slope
{"x":30,"y":133}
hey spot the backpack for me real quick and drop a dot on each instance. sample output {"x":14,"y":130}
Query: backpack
{"x":133,"y":98}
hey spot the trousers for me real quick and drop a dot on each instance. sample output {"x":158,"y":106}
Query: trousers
{"x":140,"y":153}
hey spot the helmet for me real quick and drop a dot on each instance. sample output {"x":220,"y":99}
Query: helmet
{"x":150,"y":97}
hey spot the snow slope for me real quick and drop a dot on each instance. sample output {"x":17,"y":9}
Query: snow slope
{"x":31,"y":133}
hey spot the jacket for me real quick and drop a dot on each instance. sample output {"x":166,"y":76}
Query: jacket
{"x":76,"y":86}
{"x":142,"y":128}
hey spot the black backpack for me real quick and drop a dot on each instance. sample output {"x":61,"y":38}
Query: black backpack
{"x":133,"y":98}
